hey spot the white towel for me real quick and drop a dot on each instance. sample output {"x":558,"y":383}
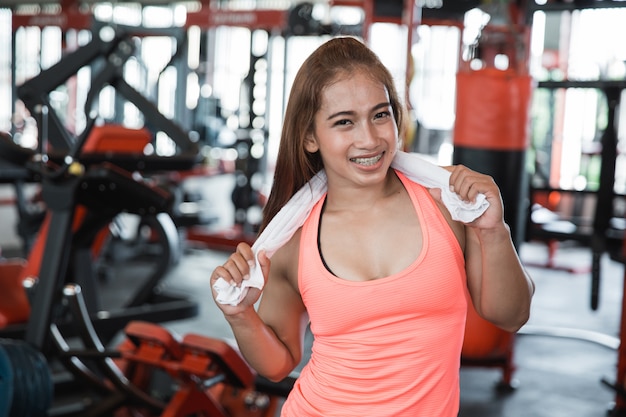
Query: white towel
{"x":294,"y":213}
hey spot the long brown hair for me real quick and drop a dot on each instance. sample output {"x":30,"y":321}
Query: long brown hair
{"x":294,"y":165}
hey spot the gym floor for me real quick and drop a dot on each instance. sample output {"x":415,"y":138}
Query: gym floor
{"x":561,"y":355}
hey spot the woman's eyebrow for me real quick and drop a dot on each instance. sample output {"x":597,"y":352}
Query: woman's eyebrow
{"x":341,"y":113}
{"x":383,"y":105}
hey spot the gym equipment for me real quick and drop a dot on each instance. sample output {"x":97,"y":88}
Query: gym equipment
{"x":81,"y":201}
{"x":106,"y":54}
{"x":24,"y":372}
{"x":602,"y":232}
{"x":619,"y":385}
{"x":84,"y":192}
{"x":15,"y":308}
{"x":486,"y":345}
{"x":197,"y":364}
{"x":84,"y":203}
{"x":29,"y":214}
{"x":491,"y":136}
{"x":25,"y":380}
{"x":245,"y":197}
{"x":107,"y":51}
{"x":154,"y":372}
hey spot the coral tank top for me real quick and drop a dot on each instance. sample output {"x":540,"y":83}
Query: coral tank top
{"x":390,"y":346}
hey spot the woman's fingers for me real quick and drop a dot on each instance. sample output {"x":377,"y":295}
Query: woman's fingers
{"x":264,"y":263}
{"x":237,"y":266}
{"x":468,"y":184}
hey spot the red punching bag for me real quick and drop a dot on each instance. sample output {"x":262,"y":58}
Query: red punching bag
{"x":491,"y":136}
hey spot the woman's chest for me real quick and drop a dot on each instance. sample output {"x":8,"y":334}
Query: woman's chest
{"x":367,"y":246}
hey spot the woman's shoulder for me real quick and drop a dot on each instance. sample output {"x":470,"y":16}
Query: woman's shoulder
{"x":457,"y":227}
{"x":285,"y":260}
{"x":435,"y":194}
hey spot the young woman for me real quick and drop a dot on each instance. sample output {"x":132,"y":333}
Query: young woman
{"x":379,"y":269}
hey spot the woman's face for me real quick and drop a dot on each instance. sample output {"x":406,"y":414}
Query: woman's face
{"x":355,"y":130}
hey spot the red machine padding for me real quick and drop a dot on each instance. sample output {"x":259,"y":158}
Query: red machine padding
{"x":204,"y":351}
{"x":194,"y":356}
{"x":153,"y":343}
{"x":14,"y":305}
{"x":116,"y":138}
{"x":202,"y":366}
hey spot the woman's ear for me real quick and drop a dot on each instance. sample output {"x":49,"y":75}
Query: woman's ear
{"x":310,"y":143}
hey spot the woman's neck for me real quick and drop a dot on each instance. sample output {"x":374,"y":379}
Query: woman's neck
{"x":361,"y":198}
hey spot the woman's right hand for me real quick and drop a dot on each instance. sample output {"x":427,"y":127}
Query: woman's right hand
{"x":237,"y":269}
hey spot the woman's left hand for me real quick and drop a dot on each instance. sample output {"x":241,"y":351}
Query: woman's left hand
{"x":467,"y":184}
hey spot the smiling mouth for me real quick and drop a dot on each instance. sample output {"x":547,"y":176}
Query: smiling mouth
{"x":367,"y":161}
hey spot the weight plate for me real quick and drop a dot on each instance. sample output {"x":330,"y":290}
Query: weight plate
{"x":31,"y":383}
{"x":6,"y":382}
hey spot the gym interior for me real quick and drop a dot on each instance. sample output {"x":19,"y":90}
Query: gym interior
{"x":137,"y":142}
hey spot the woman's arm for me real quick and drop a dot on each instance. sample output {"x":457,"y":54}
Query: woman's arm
{"x":271,"y":339}
{"x":500,"y":288}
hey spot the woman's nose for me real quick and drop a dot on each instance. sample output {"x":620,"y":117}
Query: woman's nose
{"x":368,"y":135}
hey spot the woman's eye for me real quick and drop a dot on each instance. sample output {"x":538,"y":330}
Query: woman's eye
{"x":342,"y":122}
{"x":381,"y":115}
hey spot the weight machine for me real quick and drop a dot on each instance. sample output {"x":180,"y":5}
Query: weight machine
{"x":203,"y":375}
{"x":86,"y":182}
{"x":84,"y":189}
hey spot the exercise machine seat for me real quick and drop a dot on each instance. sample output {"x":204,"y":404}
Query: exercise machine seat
{"x":14,"y":305}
